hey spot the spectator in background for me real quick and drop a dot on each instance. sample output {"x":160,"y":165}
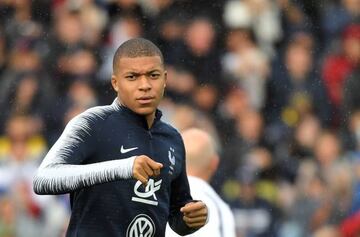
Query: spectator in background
{"x":156,"y":8}
{"x":249,"y":131}
{"x":7,"y":217}
{"x":261,"y":159}
{"x":294,"y":18}
{"x":351,"y":84}
{"x":180,"y":85}
{"x":123,"y":28}
{"x":68,"y":30}
{"x":336,"y":16}
{"x":311,"y":193}
{"x":350,"y":225}
{"x":261,"y":16}
{"x":351,"y":133}
{"x":69,"y":38}
{"x":120,"y":8}
{"x":327,"y":151}
{"x":75,"y":63}
{"x":65,"y":35}
{"x":201,"y":164}
{"x":206,"y":98}
{"x":330,"y":161}
{"x":247,"y":65}
{"x":3,"y":52}
{"x":290,"y":153}
{"x":21,"y":150}
{"x":199,"y":66}
{"x":200,"y":56}
{"x":337,"y":73}
{"x":95,"y":18}
{"x":27,"y":93}
{"x":254,"y":216}
{"x":235,"y":103}
{"x":81,"y":96}
{"x":295,"y":89}
{"x":170,"y":35}
{"x":22,"y":59}
{"x":327,"y":231}
{"x":322,"y":198}
{"x":20,"y":27}
{"x":305,"y":137}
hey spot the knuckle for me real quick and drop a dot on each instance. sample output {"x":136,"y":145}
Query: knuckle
{"x":141,"y":158}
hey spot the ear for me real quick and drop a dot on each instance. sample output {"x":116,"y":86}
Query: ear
{"x":114,"y":82}
{"x":214,"y":163}
{"x":165,"y":76}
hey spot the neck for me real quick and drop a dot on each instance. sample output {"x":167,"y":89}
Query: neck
{"x":202,"y":175}
{"x":150,"y":119}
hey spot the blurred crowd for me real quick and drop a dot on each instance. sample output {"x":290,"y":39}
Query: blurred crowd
{"x":276,"y":82}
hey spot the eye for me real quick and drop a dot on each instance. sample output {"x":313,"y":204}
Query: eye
{"x":154,"y":75}
{"x":130,"y":77}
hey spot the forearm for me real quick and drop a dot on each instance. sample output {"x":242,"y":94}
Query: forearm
{"x":63,"y":178}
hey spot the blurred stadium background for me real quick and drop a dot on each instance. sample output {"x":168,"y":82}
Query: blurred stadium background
{"x":276,"y":82}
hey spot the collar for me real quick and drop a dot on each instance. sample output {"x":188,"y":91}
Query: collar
{"x":132,"y":116}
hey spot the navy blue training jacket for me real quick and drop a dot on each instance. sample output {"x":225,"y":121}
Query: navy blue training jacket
{"x":92,"y":160}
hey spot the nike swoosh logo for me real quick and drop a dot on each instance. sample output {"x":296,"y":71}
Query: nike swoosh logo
{"x":123,"y":150}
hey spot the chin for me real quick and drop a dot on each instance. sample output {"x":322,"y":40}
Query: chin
{"x":145,"y":111}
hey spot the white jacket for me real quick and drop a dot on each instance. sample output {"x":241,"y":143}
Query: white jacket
{"x":220,"y":221}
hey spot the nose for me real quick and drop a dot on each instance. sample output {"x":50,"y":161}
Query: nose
{"x":145,"y":84}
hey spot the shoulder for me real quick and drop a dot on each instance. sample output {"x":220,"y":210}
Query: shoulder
{"x":200,"y":189}
{"x":170,"y":130}
{"x":90,"y":118}
{"x":97,"y":113}
{"x":172,"y":135}
{"x":94,"y":114}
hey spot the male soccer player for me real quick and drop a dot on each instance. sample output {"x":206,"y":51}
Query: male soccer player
{"x":123,"y":167}
{"x":202,"y":162}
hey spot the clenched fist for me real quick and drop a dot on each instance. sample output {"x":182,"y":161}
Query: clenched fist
{"x":195,"y":214}
{"x":144,"y":167}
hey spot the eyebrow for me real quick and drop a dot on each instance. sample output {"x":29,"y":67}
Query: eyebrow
{"x":138,"y":73}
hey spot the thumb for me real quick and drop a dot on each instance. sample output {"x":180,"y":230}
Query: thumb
{"x":154,"y":165}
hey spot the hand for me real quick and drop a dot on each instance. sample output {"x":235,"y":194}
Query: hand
{"x":195,"y":214}
{"x":144,"y":167}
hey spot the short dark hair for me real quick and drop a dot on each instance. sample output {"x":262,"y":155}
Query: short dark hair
{"x":137,"y":47}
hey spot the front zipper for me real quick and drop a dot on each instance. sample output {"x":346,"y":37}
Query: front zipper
{"x":151,"y":144}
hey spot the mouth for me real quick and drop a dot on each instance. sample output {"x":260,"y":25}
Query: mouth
{"x":145,"y":100}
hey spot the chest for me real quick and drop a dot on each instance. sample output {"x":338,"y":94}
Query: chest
{"x":127,"y":141}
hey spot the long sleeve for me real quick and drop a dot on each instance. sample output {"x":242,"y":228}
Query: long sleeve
{"x":180,"y":195}
{"x":63,"y":171}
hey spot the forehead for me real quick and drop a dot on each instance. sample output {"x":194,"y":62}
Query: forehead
{"x":140,"y":64}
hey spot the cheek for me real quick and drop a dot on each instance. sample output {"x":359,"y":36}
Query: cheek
{"x":125,"y":92}
{"x":160,"y":90}
{"x":158,"y":86}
